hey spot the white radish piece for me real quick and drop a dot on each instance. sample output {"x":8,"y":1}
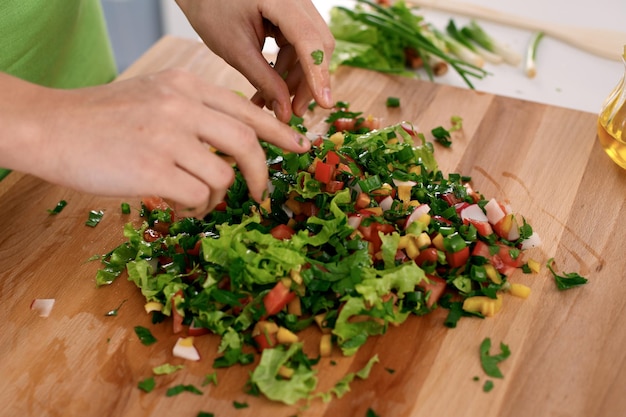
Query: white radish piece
{"x":43,"y":306}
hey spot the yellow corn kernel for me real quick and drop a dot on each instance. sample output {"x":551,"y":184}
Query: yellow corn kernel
{"x":320,"y":320}
{"x":295,"y":275}
{"x":185,"y":341}
{"x":404,"y":193}
{"x":153,"y":306}
{"x":438,"y":241}
{"x":295,"y":307}
{"x":404,"y":241}
{"x":424,"y":219}
{"x":266,"y":205}
{"x":412,"y":251}
{"x":519,"y":290}
{"x":264,"y":327}
{"x":534,"y":266}
{"x":286,"y":336}
{"x":392,"y":141}
{"x":326,"y":345}
{"x":416,"y":170}
{"x":384,"y":189}
{"x":337,"y":138}
{"x":488,"y":307}
{"x":493,"y":274}
{"x":285,"y":372}
{"x":286,"y":282}
{"x":423,"y":240}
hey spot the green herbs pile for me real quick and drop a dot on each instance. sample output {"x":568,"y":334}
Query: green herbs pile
{"x":358,"y":234}
{"x":397,"y":39}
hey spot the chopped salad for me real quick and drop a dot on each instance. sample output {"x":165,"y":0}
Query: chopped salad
{"x":360,"y":233}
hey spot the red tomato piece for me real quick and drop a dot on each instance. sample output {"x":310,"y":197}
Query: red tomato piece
{"x":334,"y":186}
{"x":435,"y":286}
{"x":429,"y":255}
{"x":282,"y":232}
{"x":324,"y":172}
{"x":459,"y":258}
{"x":344,"y":124}
{"x":265,"y":341}
{"x":155,"y":202}
{"x":277,"y":298}
{"x":332,"y":158}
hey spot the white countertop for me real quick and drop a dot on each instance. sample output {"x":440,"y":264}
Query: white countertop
{"x":566,"y":76}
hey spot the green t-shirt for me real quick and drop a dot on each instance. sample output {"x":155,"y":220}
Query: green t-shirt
{"x":55,"y":43}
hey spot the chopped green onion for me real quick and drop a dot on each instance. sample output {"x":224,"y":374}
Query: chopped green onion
{"x":147,"y":385}
{"x":475,"y":32}
{"x":125,"y":208}
{"x":393,"y":102}
{"x":94,"y":218}
{"x":177,"y":389}
{"x":531,"y":54}
{"x":59,"y":207}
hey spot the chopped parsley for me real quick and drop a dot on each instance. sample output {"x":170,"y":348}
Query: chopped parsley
{"x":125,"y":207}
{"x":147,"y":384}
{"x":488,"y":385}
{"x":490,"y":362}
{"x":115,"y":310}
{"x":393,"y":102}
{"x":442,"y":136}
{"x":144,"y":335}
{"x":178,"y":389}
{"x":566,"y":281}
{"x":239,"y":405}
{"x":210,"y":379}
{"x":318,"y":56}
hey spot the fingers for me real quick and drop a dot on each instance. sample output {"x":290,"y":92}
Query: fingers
{"x":307,"y":31}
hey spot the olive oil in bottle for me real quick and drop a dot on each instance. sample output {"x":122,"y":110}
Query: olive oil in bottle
{"x":612,"y":121}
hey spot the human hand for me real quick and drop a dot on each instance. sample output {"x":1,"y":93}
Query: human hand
{"x":143,"y":136}
{"x":236,"y":30}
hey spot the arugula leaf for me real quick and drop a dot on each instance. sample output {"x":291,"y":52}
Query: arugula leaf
{"x":566,"y":281}
{"x":490,"y":362}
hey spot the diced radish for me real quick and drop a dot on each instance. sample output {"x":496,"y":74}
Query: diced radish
{"x":409,"y":128}
{"x":195,"y":330}
{"x":386,"y":203}
{"x":473,"y":212}
{"x":494,"y":211}
{"x":185,"y":349}
{"x":354,"y":221}
{"x":43,"y":306}
{"x":416,"y":214}
{"x":532,"y":241}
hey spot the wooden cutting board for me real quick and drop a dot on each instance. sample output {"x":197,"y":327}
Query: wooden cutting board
{"x":567,"y":348}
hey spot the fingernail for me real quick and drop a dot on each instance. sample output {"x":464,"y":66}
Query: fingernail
{"x":327,"y":97}
{"x":302,"y":141}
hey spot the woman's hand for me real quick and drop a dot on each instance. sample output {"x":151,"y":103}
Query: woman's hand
{"x":236,"y":30}
{"x":145,"y":136}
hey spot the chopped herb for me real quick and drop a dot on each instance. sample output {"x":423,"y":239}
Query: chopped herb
{"x":566,"y":281}
{"x":59,"y":207}
{"x":178,"y":389}
{"x":94,"y":218}
{"x":488,"y":385}
{"x":144,"y":335}
{"x":312,"y":105}
{"x":318,"y":56}
{"x":115,"y":311}
{"x":457,"y":123}
{"x":476,"y":378}
{"x":490,"y":362}
{"x":205,"y":414}
{"x":442,"y":136}
{"x":393,"y":102}
{"x":125,"y":208}
{"x":239,"y":405}
{"x":390,"y":370}
{"x":147,"y":384}
{"x":210,"y":379}
{"x":370,"y":413}
{"x":166,"y":369}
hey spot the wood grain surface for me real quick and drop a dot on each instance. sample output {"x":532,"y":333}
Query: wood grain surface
{"x":568,"y":355}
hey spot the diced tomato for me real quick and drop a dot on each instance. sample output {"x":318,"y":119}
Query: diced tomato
{"x":481,"y":249}
{"x":282,"y":232}
{"x":436,"y":286}
{"x":459,"y":258}
{"x":150,"y":235}
{"x":277,"y":298}
{"x":324,"y":172}
{"x":155,"y":202}
{"x":505,"y":254}
{"x":194,"y":330}
{"x":195,"y":251}
{"x":332,"y":158}
{"x":450,"y":198}
{"x":429,"y":255}
{"x":483,"y":228}
{"x":308,"y":209}
{"x":334,"y":186}
{"x":265,"y":341}
{"x":318,"y":142}
{"x":221,"y":206}
{"x":344,"y":124}
{"x":370,"y":233}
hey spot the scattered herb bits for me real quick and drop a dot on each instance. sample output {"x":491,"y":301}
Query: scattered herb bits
{"x":144,"y":335}
{"x":125,"y":207}
{"x":147,"y":385}
{"x":58,"y":208}
{"x":567,"y":280}
{"x":95,"y":216}
{"x":318,"y":56}
{"x":490,"y":362}
{"x":393,"y":102}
